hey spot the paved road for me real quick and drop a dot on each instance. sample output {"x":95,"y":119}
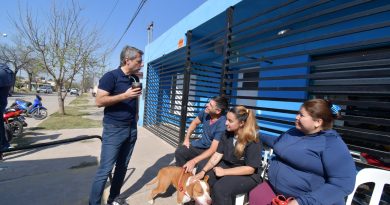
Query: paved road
{"x":50,"y":101}
{"x":62,"y":174}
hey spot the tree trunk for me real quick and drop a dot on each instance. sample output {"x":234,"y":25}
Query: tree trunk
{"x":83,"y":80}
{"x":61,"y":104}
{"x":29,"y":81}
{"x":13,"y":87}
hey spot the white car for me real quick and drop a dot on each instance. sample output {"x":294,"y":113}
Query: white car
{"x":74,"y":91}
{"x":44,"y":89}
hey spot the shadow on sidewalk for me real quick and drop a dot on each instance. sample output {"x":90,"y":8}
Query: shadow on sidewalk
{"x":148,"y":175}
{"x":63,"y":180}
{"x":31,"y":137}
{"x":30,"y":140}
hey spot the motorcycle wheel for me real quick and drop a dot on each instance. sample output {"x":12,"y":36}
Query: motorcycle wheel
{"x":39,"y":114}
{"x":16,"y":128}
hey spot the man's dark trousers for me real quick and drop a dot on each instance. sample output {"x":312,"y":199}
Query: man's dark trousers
{"x":3,"y":104}
{"x":184,"y":154}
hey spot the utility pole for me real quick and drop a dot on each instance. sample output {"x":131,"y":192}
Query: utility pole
{"x":150,"y":32}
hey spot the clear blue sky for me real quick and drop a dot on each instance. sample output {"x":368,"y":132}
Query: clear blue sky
{"x":164,"y":14}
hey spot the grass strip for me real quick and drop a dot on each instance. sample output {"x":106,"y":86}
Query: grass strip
{"x":73,"y":119}
{"x":80,"y":100}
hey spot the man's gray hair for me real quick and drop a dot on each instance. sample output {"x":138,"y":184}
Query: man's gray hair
{"x":130,"y":53}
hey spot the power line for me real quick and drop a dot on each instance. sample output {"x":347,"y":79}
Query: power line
{"x":109,"y":15}
{"x":131,"y":21}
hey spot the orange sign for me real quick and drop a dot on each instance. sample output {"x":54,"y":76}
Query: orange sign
{"x":180,"y":43}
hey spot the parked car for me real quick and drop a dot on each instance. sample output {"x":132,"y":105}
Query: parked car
{"x":44,"y":89}
{"x":74,"y":91}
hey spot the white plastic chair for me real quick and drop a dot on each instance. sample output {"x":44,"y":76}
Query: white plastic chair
{"x":267,"y":156}
{"x":240,"y":198}
{"x":378,"y":176}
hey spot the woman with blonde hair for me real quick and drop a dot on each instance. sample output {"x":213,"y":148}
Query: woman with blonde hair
{"x":236,"y":165}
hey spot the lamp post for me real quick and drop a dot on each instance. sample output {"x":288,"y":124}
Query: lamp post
{"x":150,"y":32}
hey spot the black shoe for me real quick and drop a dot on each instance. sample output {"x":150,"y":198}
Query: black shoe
{"x":6,"y":148}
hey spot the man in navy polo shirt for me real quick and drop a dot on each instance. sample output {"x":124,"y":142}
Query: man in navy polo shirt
{"x":213,"y":120}
{"x":120,"y":102}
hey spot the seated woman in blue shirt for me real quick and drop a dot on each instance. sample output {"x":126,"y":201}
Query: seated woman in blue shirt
{"x":235,"y":167}
{"x":312,"y":163}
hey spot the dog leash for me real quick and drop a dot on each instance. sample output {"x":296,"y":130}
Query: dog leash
{"x":181,"y":188}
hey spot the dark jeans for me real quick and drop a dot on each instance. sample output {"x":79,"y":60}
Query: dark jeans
{"x":118,"y":145}
{"x":224,"y":189}
{"x":184,"y":154}
{"x":3,"y":104}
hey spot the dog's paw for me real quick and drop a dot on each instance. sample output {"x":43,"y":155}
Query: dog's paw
{"x":151,"y":201}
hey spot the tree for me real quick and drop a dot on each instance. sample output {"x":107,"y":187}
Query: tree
{"x":19,"y":56}
{"x":33,"y":69}
{"x":92,"y":70}
{"x":62,"y":44}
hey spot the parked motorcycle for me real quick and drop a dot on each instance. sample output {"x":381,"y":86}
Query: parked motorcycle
{"x":15,"y":121}
{"x":35,"y":109}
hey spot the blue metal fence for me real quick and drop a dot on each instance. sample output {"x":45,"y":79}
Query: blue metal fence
{"x":271,"y":58}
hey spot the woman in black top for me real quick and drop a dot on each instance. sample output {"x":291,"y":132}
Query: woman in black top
{"x":235,"y":167}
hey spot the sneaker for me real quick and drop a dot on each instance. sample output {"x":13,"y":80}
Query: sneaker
{"x":118,"y":202}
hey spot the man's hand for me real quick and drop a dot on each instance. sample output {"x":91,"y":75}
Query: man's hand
{"x":198,"y":176}
{"x":219,"y":172}
{"x":189,"y":166}
{"x":186,"y":143}
{"x":133,"y":93}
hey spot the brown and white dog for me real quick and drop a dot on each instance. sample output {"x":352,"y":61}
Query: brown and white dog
{"x":198,"y":190}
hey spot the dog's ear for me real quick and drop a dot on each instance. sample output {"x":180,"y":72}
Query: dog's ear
{"x":206,"y":178}
{"x":190,"y":189}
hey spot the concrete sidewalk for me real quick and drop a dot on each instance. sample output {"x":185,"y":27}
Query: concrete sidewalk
{"x":62,"y":174}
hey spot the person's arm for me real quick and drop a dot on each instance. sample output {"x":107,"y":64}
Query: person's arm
{"x":103,"y":98}
{"x":340,"y":170}
{"x":241,"y":170}
{"x":252,"y":157}
{"x":190,"y":130}
{"x":214,"y":160}
{"x":269,"y":140}
{"x":206,"y":154}
{"x":217,"y":136}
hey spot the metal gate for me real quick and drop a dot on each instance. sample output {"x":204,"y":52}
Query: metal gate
{"x":273,"y":58}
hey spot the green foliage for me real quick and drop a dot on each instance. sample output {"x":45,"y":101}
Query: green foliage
{"x":69,"y":122}
{"x":74,"y":118}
